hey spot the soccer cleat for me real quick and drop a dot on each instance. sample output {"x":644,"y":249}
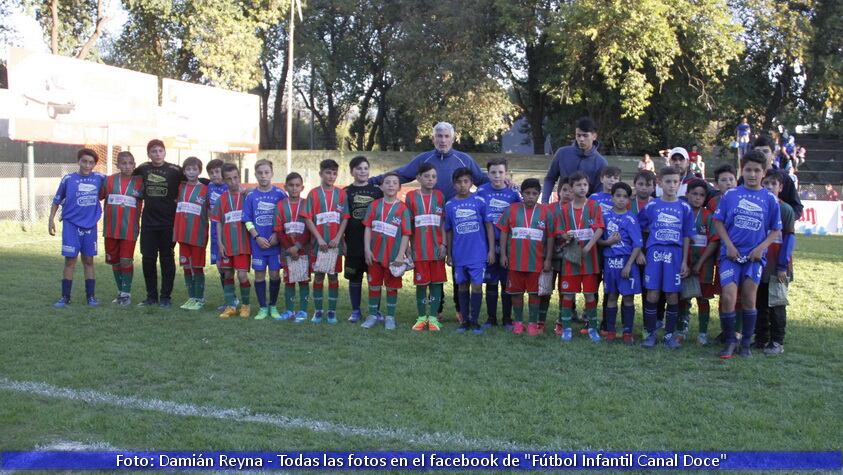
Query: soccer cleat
{"x":490,"y":323}
{"x":628,"y":339}
{"x":148,"y":302}
{"x":263,"y":312}
{"x":702,"y":339}
{"x":760,"y":344}
{"x":567,"y":334}
{"x":332,"y":317}
{"x":433,"y":324}
{"x":659,"y":324}
{"x":245,"y":311}
{"x":421,"y":324}
{"x":532,"y":329}
{"x":508,"y":327}
{"x":517,"y":328}
{"x":584,"y":331}
{"x":464,"y":326}
{"x":476,"y":328}
{"x":610,"y":336}
{"x":355,"y":316}
{"x":198,"y":305}
{"x":228,"y":312}
{"x":221,"y":308}
{"x":93,"y":302}
{"x":275,"y":314}
{"x":62,"y":302}
{"x":774,"y":349}
{"x":380,"y":316}
{"x":285,"y":316}
{"x":650,"y":341}
{"x":541,"y":327}
{"x":745,"y":352}
{"x":370,"y":321}
{"x":594,"y":335}
{"x":188,"y":304}
{"x":389,"y":322}
{"x":125,"y":300}
{"x":165,"y":302}
{"x":301,"y":317}
{"x":672,"y":342}
{"x":317,"y":317}
{"x":116,"y":299}
{"x":728,"y":351}
{"x":680,"y":336}
{"x":557,"y":329}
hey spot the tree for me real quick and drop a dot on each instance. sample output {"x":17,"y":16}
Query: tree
{"x":72,"y":26}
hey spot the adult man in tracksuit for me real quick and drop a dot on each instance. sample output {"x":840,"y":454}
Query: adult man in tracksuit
{"x":581,"y":156}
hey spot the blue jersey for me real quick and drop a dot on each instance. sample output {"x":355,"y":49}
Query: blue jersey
{"x":604,"y":199}
{"x":748,"y":215}
{"x":79,"y":197}
{"x":497,"y":201}
{"x":668,"y":222}
{"x":466,"y":219}
{"x":259,"y":209}
{"x":214,"y":193}
{"x":630,"y":233}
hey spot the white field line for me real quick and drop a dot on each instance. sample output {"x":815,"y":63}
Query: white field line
{"x":436,"y":439}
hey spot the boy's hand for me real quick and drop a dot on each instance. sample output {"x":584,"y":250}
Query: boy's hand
{"x":641,"y":260}
{"x":448,"y":259}
{"x":369,"y":257}
{"x":51,"y":228}
{"x":334,"y":242}
{"x":732,"y":252}
{"x":685,"y":271}
{"x":323,"y":246}
{"x":782,"y":275}
{"x":273,"y":240}
{"x":221,"y":252}
{"x":443,"y":252}
{"x":399,"y":261}
{"x":613,"y":239}
{"x":504,"y":261}
{"x":756,"y":254}
{"x":490,"y":257}
{"x":697,"y":268}
{"x":262,"y":242}
{"x":625,"y":272}
{"x":293,"y":251}
{"x":547,"y":266}
{"x":587,"y":248}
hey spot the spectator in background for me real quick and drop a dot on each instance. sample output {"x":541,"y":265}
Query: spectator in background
{"x":665,"y":154}
{"x":810,"y":193}
{"x":696,"y":160}
{"x":647,"y":164}
{"x":580,"y":156}
{"x":767,"y":145}
{"x":830,"y":193}
{"x":742,"y":132}
{"x":801,"y":153}
{"x":792,"y":174}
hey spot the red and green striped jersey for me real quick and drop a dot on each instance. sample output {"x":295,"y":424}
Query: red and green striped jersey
{"x":527,"y":229}
{"x":636,"y":205}
{"x":289,"y":224}
{"x":229,"y":211}
{"x":584,"y":222}
{"x":123,"y":206}
{"x":191,"y":223}
{"x":704,"y":234}
{"x":327,"y":209}
{"x":428,"y":212}
{"x":389,"y":223}
{"x":714,"y":202}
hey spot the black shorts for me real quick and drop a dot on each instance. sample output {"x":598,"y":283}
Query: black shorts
{"x":355,"y":267}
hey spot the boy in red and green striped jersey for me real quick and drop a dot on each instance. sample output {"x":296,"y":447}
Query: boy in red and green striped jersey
{"x":190,"y":230}
{"x":122,"y":194}
{"x":580,"y":221}
{"x":705,"y":244}
{"x":427,"y":206}
{"x":234,"y":249}
{"x":326,"y":216}
{"x":564,"y":195}
{"x":385,"y":241}
{"x":215,"y":189}
{"x":524,"y":230}
{"x":293,"y":238}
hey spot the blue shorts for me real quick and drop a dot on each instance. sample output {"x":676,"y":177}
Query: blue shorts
{"x":212,"y":243}
{"x":664,"y":264}
{"x":260,"y":263}
{"x":75,"y":240}
{"x":613,"y":283}
{"x":471,"y":273}
{"x":495,"y":273}
{"x":735,"y":272}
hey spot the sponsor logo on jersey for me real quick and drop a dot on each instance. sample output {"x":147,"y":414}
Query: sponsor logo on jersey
{"x":86,"y":187}
{"x":266,"y":206}
{"x":612,"y":227}
{"x":667,"y":235}
{"x":87,"y":200}
{"x":362,"y":199}
{"x":667,"y":218}
{"x":498,"y":204}
{"x":154,"y":178}
{"x":747,"y":222}
{"x":265,"y":220}
{"x":749,"y":206}
{"x":666,"y":257}
{"x":615,"y":262}
{"x":468,"y":228}
{"x":465,"y":213}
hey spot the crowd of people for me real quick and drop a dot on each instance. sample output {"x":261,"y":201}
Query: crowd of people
{"x":669,"y":236}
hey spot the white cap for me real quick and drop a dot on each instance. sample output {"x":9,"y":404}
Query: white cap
{"x":678,"y":151}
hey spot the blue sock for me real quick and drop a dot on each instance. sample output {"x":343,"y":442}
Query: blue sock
{"x":610,"y":314}
{"x":727,"y":325}
{"x":476,"y":302}
{"x":274,"y":289}
{"x":90,"y":285}
{"x":671,"y":317}
{"x":464,"y":300}
{"x":749,"y":317}
{"x":650,"y":313}
{"x":260,"y":291}
{"x":628,"y":317}
{"x":66,"y":285}
{"x":492,"y":301}
{"x":355,"y":290}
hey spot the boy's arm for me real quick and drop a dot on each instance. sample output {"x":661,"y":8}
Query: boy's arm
{"x":51,"y":226}
{"x":402,"y":249}
{"x":627,"y":268}
{"x":550,"y":180}
{"x":686,"y":246}
{"x":367,"y":245}
{"x":710,"y":249}
{"x":548,"y":251}
{"x":336,"y":241}
{"x":449,"y":237}
{"x":756,"y":253}
{"x":490,"y":240}
{"x":220,"y":247}
{"x":504,"y":247}
{"x":315,"y":233}
{"x":591,"y":242}
{"x":731,"y":251}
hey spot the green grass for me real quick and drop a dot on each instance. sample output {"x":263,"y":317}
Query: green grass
{"x":528,"y":392}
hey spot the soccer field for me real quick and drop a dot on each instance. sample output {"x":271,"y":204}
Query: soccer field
{"x":176,"y":380}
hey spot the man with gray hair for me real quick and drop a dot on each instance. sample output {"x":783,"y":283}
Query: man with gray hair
{"x":444,"y":159}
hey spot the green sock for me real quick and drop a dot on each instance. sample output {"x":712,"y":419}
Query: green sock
{"x":544,"y":305}
{"x":435,"y":298}
{"x":533,"y":306}
{"x":126,"y":280}
{"x":421,"y":294}
{"x":199,"y":286}
{"x":518,"y":307}
{"x":739,"y":320}
{"x":228,"y":292}
{"x":290,"y":297}
{"x":317,"y":291}
{"x":704,"y":318}
{"x":374,"y":301}
{"x":118,"y":278}
{"x":304,"y":294}
{"x":188,"y":282}
{"x":391,"y":302}
{"x":245,"y":293}
{"x":333,"y":293}
{"x":565,"y":315}
{"x":591,"y":315}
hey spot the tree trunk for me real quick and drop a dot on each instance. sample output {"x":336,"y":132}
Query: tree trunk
{"x":54,"y":30}
{"x":358,"y":128}
{"x":278,"y":134}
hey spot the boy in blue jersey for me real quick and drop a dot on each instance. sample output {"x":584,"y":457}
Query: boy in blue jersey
{"x":608,"y":177}
{"x":470,"y":243}
{"x":620,"y":273}
{"x":670,"y":222}
{"x":498,"y":196}
{"x":747,"y":219}
{"x":78,"y":196}
{"x":216,"y":188}
{"x":259,"y":216}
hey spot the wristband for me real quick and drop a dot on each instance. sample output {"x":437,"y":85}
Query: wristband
{"x":250,"y":226}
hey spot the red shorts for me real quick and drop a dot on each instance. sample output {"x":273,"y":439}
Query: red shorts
{"x":518,"y":282}
{"x":380,"y":275}
{"x":710,"y":290}
{"x":116,"y":249}
{"x":337,"y":268}
{"x":191,"y":256}
{"x":574,"y":284}
{"x":238,"y":262}
{"x":429,"y":272}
